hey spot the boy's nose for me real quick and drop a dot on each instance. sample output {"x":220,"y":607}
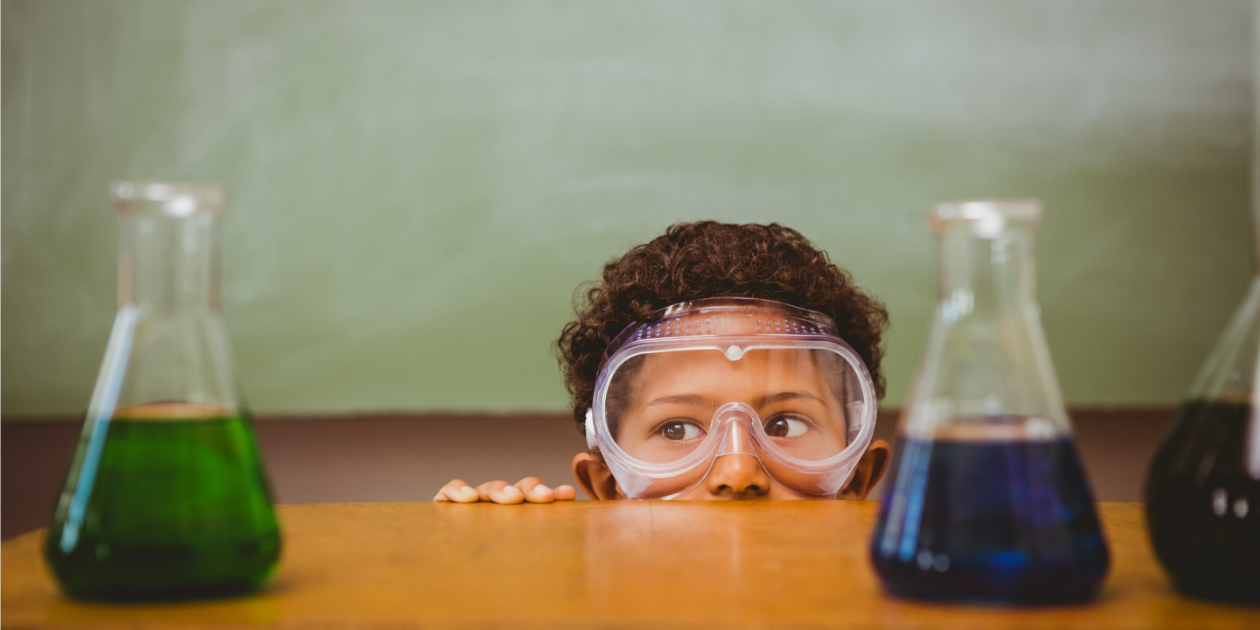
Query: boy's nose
{"x":737,"y":476}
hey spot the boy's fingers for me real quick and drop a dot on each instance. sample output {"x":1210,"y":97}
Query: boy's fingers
{"x":441,"y":494}
{"x":486,"y":488}
{"x":529,"y":489}
{"x":457,"y":491}
{"x":500,"y":492}
{"x":535,"y":490}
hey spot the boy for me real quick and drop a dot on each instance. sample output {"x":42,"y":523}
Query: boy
{"x":823,"y":364}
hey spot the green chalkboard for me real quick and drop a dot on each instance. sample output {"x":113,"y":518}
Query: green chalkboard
{"x":417,"y":188}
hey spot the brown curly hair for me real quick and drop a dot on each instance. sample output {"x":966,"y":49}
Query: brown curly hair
{"x":710,"y":259}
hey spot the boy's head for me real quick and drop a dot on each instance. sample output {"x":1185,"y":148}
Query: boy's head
{"x":692,"y":261}
{"x":707,"y":259}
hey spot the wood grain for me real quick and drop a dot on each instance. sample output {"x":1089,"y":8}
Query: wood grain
{"x":595,"y":564}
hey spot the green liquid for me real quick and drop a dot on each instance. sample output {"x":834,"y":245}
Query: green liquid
{"x":165,"y":509}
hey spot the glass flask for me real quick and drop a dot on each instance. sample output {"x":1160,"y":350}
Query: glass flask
{"x":166,"y":496}
{"x":1203,"y":493}
{"x":989,"y":501}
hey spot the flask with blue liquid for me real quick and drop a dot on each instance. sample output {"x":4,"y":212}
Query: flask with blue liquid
{"x":989,"y":502}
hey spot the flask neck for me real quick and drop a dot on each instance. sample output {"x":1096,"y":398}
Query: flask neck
{"x":986,"y":273}
{"x":168,"y":264}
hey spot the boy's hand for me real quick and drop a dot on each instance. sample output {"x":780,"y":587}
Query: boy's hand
{"x":529,"y":489}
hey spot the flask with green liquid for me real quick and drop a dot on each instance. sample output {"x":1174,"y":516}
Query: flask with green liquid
{"x":166,"y":497}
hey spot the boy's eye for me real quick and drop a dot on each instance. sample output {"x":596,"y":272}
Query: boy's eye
{"x":676,"y":430}
{"x":786,"y":426}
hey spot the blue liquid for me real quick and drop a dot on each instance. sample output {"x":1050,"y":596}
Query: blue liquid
{"x":1006,"y":522}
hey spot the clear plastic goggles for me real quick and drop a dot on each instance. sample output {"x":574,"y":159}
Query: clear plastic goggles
{"x":723,"y":376}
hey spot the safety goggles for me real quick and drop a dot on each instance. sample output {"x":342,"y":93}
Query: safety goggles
{"x":726,"y":376}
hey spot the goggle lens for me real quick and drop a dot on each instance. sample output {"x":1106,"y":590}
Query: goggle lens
{"x":661,"y":407}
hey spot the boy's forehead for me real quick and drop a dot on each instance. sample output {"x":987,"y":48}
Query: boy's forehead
{"x":711,"y":368}
{"x":759,"y":321}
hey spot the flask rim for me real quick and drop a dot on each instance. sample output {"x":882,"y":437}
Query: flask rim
{"x":174,"y":199}
{"x":993,"y":214}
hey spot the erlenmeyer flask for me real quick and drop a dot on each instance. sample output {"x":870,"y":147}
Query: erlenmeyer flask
{"x":990,"y":502}
{"x":166,"y":496}
{"x":1203,"y":494}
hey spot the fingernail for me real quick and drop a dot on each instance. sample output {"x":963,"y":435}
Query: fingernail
{"x":541,"y":488}
{"x":467,"y":489}
{"x":511,"y":490}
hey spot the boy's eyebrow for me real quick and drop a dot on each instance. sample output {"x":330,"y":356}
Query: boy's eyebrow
{"x":680,"y":399}
{"x":697,"y":399}
{"x":782,"y":396}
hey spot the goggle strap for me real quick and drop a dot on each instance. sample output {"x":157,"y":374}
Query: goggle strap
{"x":590,"y":429}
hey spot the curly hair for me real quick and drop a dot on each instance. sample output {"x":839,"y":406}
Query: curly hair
{"x":711,"y":259}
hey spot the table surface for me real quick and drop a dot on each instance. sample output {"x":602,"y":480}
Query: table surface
{"x":604,"y":564}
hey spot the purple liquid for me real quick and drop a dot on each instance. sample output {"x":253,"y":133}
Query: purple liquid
{"x":1008,"y":522}
{"x":1203,"y":506}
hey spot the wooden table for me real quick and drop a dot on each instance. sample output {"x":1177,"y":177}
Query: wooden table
{"x":612,"y":565}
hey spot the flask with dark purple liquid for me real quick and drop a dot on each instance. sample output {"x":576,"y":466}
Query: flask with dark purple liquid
{"x":989,"y":502}
{"x":1203,"y":493}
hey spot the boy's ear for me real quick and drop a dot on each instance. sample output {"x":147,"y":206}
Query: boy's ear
{"x":594,"y":476}
{"x":870,"y":469}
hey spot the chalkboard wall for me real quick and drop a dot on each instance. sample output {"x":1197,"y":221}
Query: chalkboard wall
{"x":417,"y":188}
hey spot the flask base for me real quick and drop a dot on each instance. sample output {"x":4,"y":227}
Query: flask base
{"x":1230,"y":592}
{"x":174,"y":509}
{"x":110,"y":588}
{"x":992,"y":595}
{"x":1007,"y":522}
{"x":1200,"y":504}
